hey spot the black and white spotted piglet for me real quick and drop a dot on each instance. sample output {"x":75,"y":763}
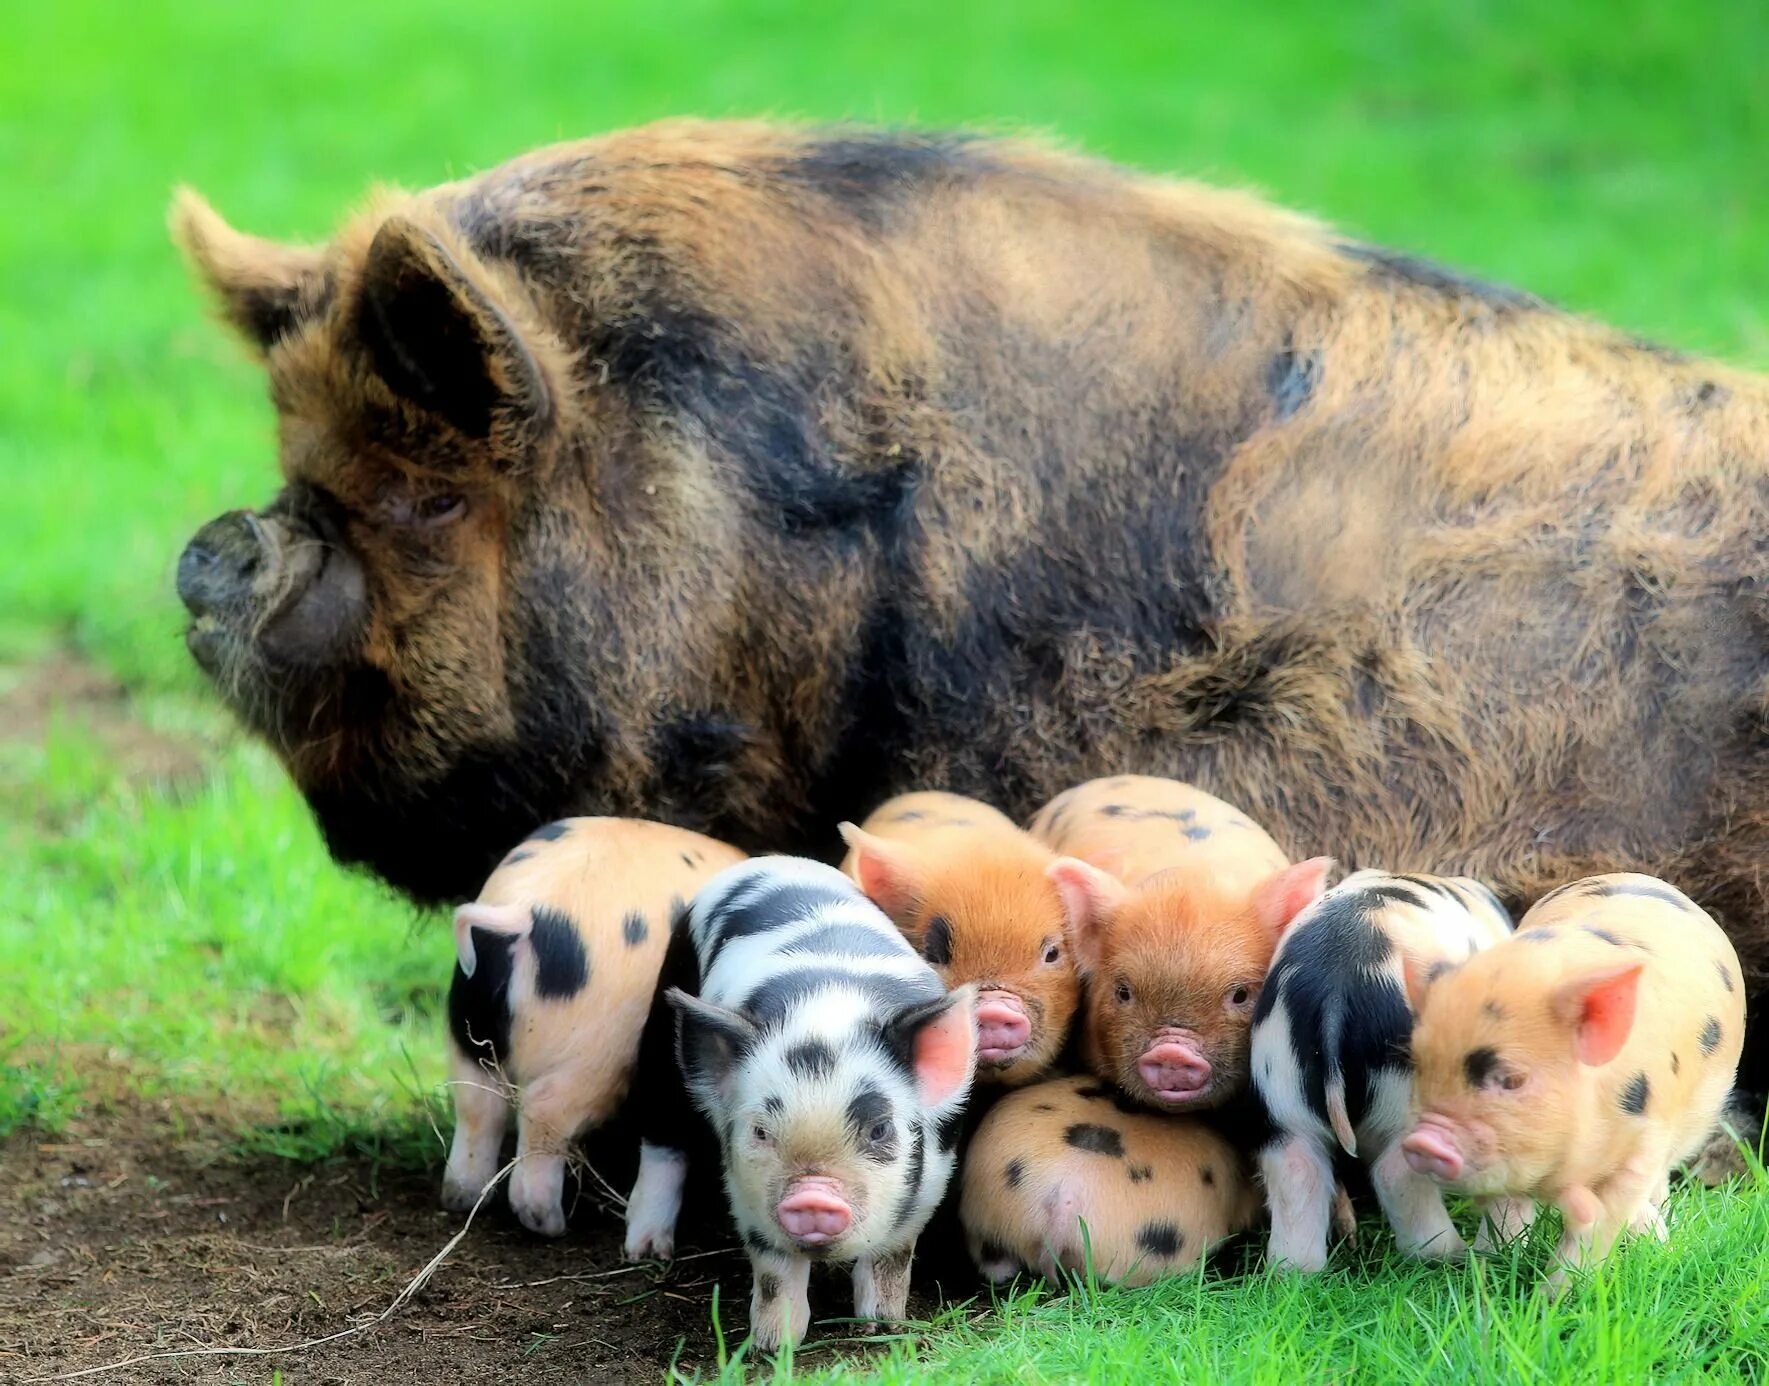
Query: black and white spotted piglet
{"x":1331,"y":1056}
{"x":833,"y":1067}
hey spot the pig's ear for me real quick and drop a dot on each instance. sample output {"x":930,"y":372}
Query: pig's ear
{"x":1090,"y":897}
{"x":1287,"y":893}
{"x":1419,"y":976}
{"x":1599,"y":1007}
{"x":884,"y":870}
{"x":938,"y":1043}
{"x":430,"y":321}
{"x":512,"y":921}
{"x":258,"y":284}
{"x":710,"y":1040}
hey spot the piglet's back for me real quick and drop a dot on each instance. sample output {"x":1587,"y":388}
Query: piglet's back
{"x":780,"y":935}
{"x":1134,"y":826}
{"x":1690,"y":1007}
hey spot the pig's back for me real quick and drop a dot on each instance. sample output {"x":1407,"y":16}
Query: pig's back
{"x":932,"y":813}
{"x":1137,"y":826}
{"x":602,"y":894}
{"x":1155,"y":1192}
{"x":1681,"y":1057}
{"x":776,"y":935}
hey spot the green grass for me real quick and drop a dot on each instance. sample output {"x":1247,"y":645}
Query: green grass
{"x":195,"y":942}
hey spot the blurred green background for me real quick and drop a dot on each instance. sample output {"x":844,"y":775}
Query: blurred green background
{"x":180,"y":926}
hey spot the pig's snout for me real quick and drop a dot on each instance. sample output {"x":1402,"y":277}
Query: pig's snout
{"x":814,"y":1213}
{"x":1431,"y":1150}
{"x":1002,"y":1028}
{"x":1174,"y":1067}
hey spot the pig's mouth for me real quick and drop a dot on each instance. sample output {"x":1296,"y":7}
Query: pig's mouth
{"x":1434,"y":1149}
{"x":815,"y":1214}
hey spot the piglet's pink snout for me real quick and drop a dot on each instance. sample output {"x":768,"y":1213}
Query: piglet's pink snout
{"x":814,"y":1211}
{"x":1173,"y":1066}
{"x":1002,"y":1028}
{"x":1431,"y":1150}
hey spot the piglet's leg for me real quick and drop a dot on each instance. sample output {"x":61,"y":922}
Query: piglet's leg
{"x":1503,"y":1219}
{"x":1299,"y":1186}
{"x":779,"y":1301}
{"x":1414,"y":1207}
{"x":881,"y":1285}
{"x":481,"y":1113}
{"x":1595,"y":1217}
{"x":1649,"y":1218}
{"x":545,"y":1123}
{"x":655,"y":1202}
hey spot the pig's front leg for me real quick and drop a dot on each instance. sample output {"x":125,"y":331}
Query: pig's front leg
{"x":1414,"y":1208}
{"x":1299,"y":1186}
{"x":881,"y":1285}
{"x":655,"y":1202}
{"x":1595,"y":1217}
{"x":1503,"y":1219}
{"x":779,"y":1299}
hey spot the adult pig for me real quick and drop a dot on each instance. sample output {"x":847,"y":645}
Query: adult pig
{"x":742,"y":476}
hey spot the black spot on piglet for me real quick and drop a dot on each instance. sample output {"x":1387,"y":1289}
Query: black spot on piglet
{"x":1603,"y":934}
{"x":1676,"y":1064}
{"x":1478,"y":1065}
{"x":1725,"y":974}
{"x":1139,"y":1173}
{"x":1015,"y":1173}
{"x":550,"y":832}
{"x":561,"y":967}
{"x":634,"y":929}
{"x":1100,"y":1140}
{"x":936,"y":943}
{"x":1710,"y":1035}
{"x":1208,"y":1175}
{"x":768,"y":1285}
{"x":1634,"y":1096}
{"x":1160,"y":1238}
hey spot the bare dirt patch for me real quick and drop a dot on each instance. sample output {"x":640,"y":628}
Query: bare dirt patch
{"x":130,"y":1233}
{"x":65,"y":688}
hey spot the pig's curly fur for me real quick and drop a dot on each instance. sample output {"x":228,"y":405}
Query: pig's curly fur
{"x":826,"y":464}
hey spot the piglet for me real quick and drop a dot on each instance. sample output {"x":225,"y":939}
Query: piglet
{"x":833,"y":1067}
{"x":1066,"y":1174}
{"x":1178,"y":900}
{"x":1330,"y":1059}
{"x":1581,"y":1060}
{"x":970,"y":891}
{"x":556,"y":967}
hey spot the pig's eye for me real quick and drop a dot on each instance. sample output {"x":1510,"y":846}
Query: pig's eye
{"x":1511,"y":1080}
{"x":426,"y":512}
{"x":1123,"y":992}
{"x":879,"y":1133}
{"x":759,"y":1134}
{"x":1240,"y":997}
{"x":1053,"y":953}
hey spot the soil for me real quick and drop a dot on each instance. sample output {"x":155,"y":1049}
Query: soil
{"x":135,"y":1231}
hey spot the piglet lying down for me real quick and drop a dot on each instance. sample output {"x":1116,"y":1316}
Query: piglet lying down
{"x":833,"y":1067}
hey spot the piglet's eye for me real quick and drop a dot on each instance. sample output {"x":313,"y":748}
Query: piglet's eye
{"x":1240,"y":996}
{"x":426,"y":512}
{"x":1123,"y":993}
{"x":880,"y":1130}
{"x":759,"y":1134}
{"x":1511,"y":1080}
{"x":1053,"y":954}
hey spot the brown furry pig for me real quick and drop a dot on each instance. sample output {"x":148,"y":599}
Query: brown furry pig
{"x":1179,"y":900}
{"x":1579,"y":1061}
{"x":969,"y":889}
{"x":557,"y":963}
{"x":1059,"y":1173}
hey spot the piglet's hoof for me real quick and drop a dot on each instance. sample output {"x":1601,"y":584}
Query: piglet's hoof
{"x":649,"y":1244}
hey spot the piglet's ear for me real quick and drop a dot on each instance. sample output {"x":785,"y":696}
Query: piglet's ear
{"x":710,"y":1040}
{"x":1283,"y":896}
{"x":939,"y":1041}
{"x":1599,"y":1006}
{"x":1419,"y":977}
{"x":884,"y":870}
{"x":1090,"y":898}
{"x":434,"y":331}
